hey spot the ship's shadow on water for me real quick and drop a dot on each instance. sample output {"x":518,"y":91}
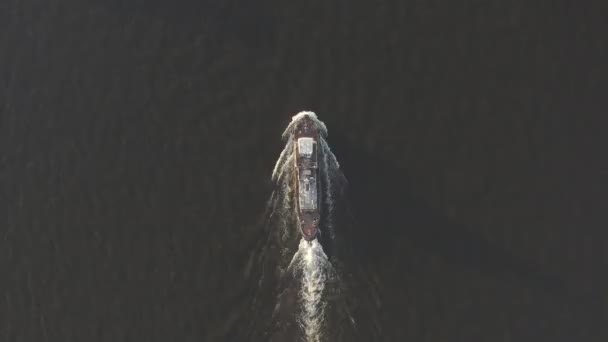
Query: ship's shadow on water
{"x":388,"y":214}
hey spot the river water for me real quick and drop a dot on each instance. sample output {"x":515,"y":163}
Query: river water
{"x":138,"y":141}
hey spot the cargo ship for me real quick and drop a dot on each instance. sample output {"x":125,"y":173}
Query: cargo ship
{"x":307,"y":184}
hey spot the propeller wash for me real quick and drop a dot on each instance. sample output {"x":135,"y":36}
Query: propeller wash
{"x":305,"y":175}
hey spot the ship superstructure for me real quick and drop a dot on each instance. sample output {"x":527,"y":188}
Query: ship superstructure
{"x":308,"y":186}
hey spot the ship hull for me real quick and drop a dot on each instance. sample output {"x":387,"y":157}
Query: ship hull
{"x":307,"y":183}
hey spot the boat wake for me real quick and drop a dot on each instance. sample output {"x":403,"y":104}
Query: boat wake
{"x":303,"y":288}
{"x":315,"y":270}
{"x":331,"y":176}
{"x":310,"y":267}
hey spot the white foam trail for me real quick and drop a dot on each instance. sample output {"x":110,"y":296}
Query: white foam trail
{"x":286,"y":154}
{"x":315,"y":269}
{"x":310,"y":261}
{"x":327,"y":172}
{"x":300,"y":115}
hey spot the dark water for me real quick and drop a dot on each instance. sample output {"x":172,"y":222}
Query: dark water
{"x":137,"y":142}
